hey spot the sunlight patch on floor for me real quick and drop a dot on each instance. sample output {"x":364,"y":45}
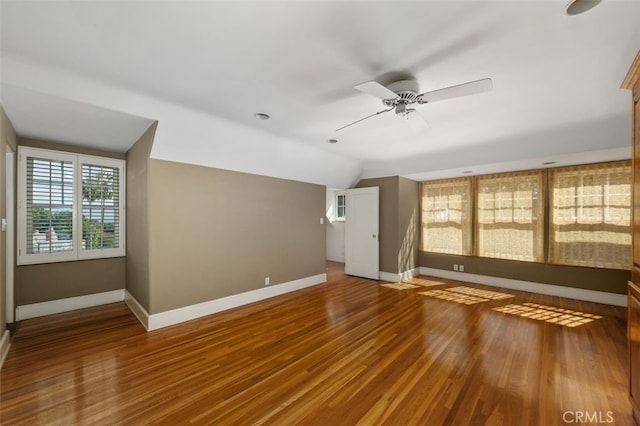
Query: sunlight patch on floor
{"x":424,"y":282}
{"x":466,"y":295}
{"x":550,"y":314}
{"x":399,"y":286}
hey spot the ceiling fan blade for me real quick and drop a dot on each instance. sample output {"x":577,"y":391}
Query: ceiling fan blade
{"x":416,"y":122}
{"x":376,"y":89}
{"x":463,"y":89}
{"x":362,"y":119}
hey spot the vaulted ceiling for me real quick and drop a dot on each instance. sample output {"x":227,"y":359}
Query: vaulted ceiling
{"x":98,"y":73}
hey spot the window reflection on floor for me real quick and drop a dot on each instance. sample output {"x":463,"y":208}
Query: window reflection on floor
{"x":550,"y":314}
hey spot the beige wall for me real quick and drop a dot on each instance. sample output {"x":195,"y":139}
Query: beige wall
{"x":60,"y":280}
{"x":399,"y":220}
{"x":7,"y":142}
{"x":408,"y":224}
{"x":138,"y":218}
{"x":609,"y":280}
{"x":216,"y":233}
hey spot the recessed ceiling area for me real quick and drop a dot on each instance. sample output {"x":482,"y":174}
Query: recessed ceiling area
{"x":203,"y":69}
{"x":42,"y":116}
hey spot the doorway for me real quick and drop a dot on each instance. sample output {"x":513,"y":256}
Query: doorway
{"x":361,"y":233}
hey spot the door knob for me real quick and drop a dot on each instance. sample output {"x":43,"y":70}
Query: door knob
{"x":374,"y":235}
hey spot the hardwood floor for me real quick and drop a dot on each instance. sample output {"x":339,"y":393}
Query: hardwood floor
{"x":346,"y":352}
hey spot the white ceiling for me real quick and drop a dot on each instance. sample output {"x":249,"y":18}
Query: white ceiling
{"x":556,"y":81}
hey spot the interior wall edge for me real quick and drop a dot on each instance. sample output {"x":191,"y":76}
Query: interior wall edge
{"x":5,"y":343}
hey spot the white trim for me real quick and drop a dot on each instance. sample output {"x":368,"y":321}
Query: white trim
{"x":396,"y":278}
{"x":533,"y":287}
{"x":9,"y":233}
{"x":187,"y":313}
{"x":5,"y":343}
{"x":137,"y":309}
{"x":64,"y":305}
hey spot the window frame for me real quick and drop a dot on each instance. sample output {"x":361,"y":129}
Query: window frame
{"x":342,"y":218}
{"x":77,"y":161}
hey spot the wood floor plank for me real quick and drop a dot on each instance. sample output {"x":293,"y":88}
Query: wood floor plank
{"x":346,"y":352}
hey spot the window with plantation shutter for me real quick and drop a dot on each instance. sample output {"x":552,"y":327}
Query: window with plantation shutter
{"x":509,"y":216}
{"x":70,"y":206}
{"x":100,"y":207}
{"x":446,"y":216}
{"x":591,"y":215}
{"x":49,"y":206}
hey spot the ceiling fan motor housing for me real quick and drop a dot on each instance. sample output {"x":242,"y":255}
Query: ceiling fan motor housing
{"x":407,"y":91}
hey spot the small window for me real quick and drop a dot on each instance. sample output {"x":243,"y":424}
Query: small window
{"x":71,"y":206}
{"x":341,"y":206}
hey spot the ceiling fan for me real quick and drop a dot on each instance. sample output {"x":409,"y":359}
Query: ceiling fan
{"x":400,"y":95}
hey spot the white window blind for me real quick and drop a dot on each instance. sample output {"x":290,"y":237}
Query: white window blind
{"x":591,"y":215}
{"x":70,"y":206}
{"x":446,"y":216}
{"x":100,"y":206}
{"x":49,"y":206}
{"x":509,"y":216}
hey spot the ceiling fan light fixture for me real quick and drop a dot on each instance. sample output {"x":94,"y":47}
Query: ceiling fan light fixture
{"x":577,"y":7}
{"x":402,"y":110}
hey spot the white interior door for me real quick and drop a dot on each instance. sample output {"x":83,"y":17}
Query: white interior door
{"x":8,"y":228}
{"x":361,"y":233}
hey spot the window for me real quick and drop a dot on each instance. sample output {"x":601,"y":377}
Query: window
{"x":509,"y":216}
{"x":341,"y":206}
{"x":591,"y":215}
{"x":70,"y":206}
{"x":446,"y":216}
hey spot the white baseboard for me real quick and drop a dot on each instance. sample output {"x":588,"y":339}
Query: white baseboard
{"x":64,"y":305}
{"x":396,"y":278}
{"x":138,"y":310}
{"x":187,"y":313}
{"x":533,"y":287}
{"x":4,"y":347}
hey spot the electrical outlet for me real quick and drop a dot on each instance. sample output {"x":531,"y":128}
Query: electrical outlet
{"x":322,"y":221}
{"x":461,"y":268}
{"x":455,"y":267}
{"x":267,"y":281}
